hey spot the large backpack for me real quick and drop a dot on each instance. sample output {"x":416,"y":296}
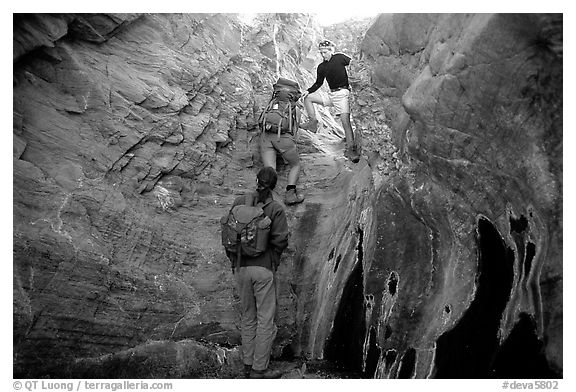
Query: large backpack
{"x":280,"y":114}
{"x":246,"y":229}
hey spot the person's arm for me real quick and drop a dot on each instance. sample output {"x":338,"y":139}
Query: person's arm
{"x":319,"y":79}
{"x":345,"y":59}
{"x":279,"y":231}
{"x":238,"y":201}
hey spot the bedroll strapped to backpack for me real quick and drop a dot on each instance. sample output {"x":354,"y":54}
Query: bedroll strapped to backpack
{"x":245,"y":230}
{"x":280,"y":113}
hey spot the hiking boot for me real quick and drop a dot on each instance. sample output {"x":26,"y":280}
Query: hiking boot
{"x":352,"y":154}
{"x":292,"y":197}
{"x":247,"y":369}
{"x":268,"y":373}
{"x":311,"y":125}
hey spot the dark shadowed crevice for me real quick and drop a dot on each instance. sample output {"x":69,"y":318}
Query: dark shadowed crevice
{"x":522,"y":354}
{"x":467,"y":350}
{"x":392,"y":283}
{"x":360,"y":247}
{"x":345,"y":345}
{"x":530,"y":253}
{"x":387,"y":332}
{"x":389,"y":359}
{"x":373,"y":354}
{"x":287,"y":353}
{"x":337,"y":263}
{"x":518,"y":225}
{"x":408,"y":364}
{"x":331,"y":255}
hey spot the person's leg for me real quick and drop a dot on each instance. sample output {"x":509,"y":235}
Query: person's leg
{"x":265,"y":294}
{"x":345,"y":119}
{"x":269,"y":158}
{"x":341,"y":100}
{"x":267,"y":151}
{"x":290,"y":154}
{"x":352,"y":151}
{"x":248,"y":315}
{"x":309,"y":101}
{"x":289,"y":151}
{"x":293,"y":175}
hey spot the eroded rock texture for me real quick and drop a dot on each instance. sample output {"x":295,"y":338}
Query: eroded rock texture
{"x":468,"y":255}
{"x":134,"y":133}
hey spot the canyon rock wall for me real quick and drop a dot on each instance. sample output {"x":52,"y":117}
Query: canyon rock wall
{"x":466,"y":278}
{"x":132,"y":136}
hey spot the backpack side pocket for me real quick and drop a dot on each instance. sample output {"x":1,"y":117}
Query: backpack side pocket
{"x":263,"y":234}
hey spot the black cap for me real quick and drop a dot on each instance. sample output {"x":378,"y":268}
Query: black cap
{"x":267,"y":178}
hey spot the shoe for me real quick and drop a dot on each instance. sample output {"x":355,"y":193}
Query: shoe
{"x":292,"y":197}
{"x":247,"y":369}
{"x":268,"y":373}
{"x":311,"y":126}
{"x":352,"y":154}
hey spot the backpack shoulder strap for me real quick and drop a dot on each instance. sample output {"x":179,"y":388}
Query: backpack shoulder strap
{"x":262,"y":205}
{"x":266,"y":203}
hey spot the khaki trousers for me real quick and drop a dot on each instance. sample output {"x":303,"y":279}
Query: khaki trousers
{"x":256,"y":288}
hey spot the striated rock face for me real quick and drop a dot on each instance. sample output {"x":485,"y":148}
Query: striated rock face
{"x":134,"y":133}
{"x":466,"y":274}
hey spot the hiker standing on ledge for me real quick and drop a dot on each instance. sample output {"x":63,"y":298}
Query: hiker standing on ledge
{"x":256,"y":281}
{"x":333,"y":69}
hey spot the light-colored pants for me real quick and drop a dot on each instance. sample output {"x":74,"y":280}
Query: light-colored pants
{"x":256,"y":288}
{"x":339,"y":99}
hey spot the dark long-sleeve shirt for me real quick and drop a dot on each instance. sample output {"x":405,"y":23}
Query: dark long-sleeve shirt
{"x":278,"y":240}
{"x":334,"y":71}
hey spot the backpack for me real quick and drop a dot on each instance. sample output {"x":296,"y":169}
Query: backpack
{"x":246,"y":229}
{"x":280,"y":113}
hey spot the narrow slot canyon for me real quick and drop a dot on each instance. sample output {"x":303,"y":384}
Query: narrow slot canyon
{"x":438,"y":254}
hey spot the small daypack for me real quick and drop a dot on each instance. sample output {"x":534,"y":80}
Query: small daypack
{"x":280,"y":114}
{"x":245,"y":230}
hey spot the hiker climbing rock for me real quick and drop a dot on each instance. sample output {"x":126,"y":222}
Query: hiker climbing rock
{"x":279,"y":124}
{"x":254,"y":263}
{"x":333,"y":69}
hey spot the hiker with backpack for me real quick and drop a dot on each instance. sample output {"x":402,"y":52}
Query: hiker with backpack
{"x":333,"y":69}
{"x":254,"y":234}
{"x":278,"y":125}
